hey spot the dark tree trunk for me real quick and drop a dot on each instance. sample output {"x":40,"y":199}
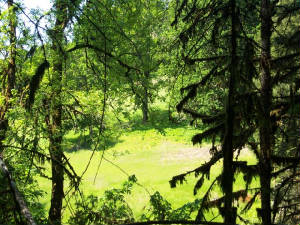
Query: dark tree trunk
{"x":57,"y":192}
{"x":11,"y":75}
{"x":54,"y":120}
{"x":145,"y":106}
{"x":265,"y":120}
{"x":9,"y":80}
{"x":228,"y":173}
{"x":145,"y":100}
{"x":55,"y":149}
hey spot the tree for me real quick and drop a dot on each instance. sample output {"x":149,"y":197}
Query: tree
{"x":279,"y":87}
{"x":130,"y":32}
{"x":253,"y":103}
{"x":227,"y":148}
{"x":64,"y":11}
{"x":9,"y":81}
{"x":208,"y":19}
{"x":144,"y":41}
{"x":265,"y":120}
{"x":54,"y":120}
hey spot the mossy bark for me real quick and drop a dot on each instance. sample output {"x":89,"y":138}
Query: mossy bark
{"x":54,"y":120}
{"x":9,"y":78}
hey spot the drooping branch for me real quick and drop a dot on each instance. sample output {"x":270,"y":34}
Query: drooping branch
{"x":249,"y":171}
{"x":240,"y":194}
{"x":208,"y":119}
{"x":205,"y":199}
{"x":87,"y":45}
{"x":192,"y":88}
{"x":204,"y":168}
{"x":70,"y":172}
{"x":35,"y":83}
{"x":208,"y":133}
{"x":20,"y":202}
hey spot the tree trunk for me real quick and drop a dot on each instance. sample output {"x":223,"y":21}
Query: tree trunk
{"x":265,"y":120}
{"x":54,"y":121}
{"x":9,"y":80}
{"x":145,"y":100}
{"x":55,"y":149}
{"x":145,"y":106}
{"x":57,"y":192}
{"x":11,"y":75}
{"x":228,"y":173}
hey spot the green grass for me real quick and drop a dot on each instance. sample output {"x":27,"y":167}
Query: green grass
{"x":154,"y":153}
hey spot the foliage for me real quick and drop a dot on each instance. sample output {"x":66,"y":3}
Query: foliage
{"x":25,"y":176}
{"x":160,"y":209}
{"x":112,"y":208}
{"x":94,"y":80}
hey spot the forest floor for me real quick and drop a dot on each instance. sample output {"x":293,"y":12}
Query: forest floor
{"x":154,"y":156}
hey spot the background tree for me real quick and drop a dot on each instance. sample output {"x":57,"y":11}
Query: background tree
{"x":128,"y":31}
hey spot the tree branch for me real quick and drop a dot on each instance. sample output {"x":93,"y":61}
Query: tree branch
{"x":87,"y":45}
{"x":17,"y":195}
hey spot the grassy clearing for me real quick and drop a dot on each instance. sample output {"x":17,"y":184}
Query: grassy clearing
{"x":154,"y":156}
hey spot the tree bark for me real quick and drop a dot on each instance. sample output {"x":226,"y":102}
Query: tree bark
{"x":55,"y":149}
{"x":265,"y":167}
{"x":228,"y":173}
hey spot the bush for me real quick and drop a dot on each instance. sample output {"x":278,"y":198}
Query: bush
{"x":110,"y":209}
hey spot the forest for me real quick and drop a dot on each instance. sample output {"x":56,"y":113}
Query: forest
{"x":141,"y":112}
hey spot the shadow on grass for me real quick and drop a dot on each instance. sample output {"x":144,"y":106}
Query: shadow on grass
{"x":159,"y":120}
{"x":86,"y":142}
